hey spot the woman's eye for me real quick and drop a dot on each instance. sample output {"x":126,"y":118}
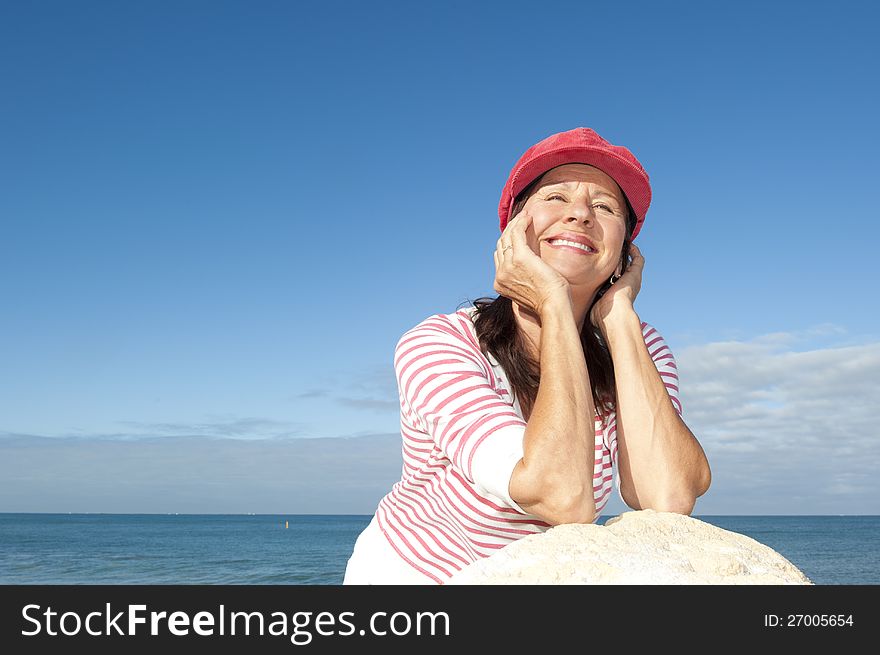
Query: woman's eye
{"x":555,"y":195}
{"x":604,"y":207}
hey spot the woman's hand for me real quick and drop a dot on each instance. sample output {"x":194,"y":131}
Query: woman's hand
{"x":621,"y":296}
{"x":520,"y":273}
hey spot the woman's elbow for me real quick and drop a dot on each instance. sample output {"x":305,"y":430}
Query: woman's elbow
{"x":677,"y":505}
{"x":683,"y":500}
{"x":558,"y":509}
{"x":553,"y":499}
{"x":705,"y":480}
{"x":572,"y":508}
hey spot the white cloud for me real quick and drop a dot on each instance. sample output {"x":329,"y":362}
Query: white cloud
{"x":217,"y":426}
{"x":372,"y":390}
{"x":786,"y":431}
{"x":197,"y":474}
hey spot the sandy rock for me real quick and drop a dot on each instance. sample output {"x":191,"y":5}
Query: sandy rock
{"x":638,"y":547}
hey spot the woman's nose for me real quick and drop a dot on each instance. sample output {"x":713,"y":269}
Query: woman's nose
{"x":580,"y":212}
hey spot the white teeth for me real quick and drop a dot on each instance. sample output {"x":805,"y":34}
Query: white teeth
{"x":566,"y":242}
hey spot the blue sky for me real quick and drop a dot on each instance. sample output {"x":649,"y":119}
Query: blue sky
{"x":219,"y":217}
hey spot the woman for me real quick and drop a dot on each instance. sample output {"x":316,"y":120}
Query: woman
{"x":514,"y":412}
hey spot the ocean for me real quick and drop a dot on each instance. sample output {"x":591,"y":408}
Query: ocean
{"x":313,"y":549}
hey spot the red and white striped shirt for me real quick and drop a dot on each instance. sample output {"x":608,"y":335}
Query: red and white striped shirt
{"x":462,"y":433}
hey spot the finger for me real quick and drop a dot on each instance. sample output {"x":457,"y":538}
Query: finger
{"x":532,"y":238}
{"x":516,"y":220}
{"x":521,"y":220}
{"x":638,"y":259}
{"x":518,"y":229}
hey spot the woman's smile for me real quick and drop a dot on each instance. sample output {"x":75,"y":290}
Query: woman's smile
{"x":562,"y":244}
{"x":577,"y":243}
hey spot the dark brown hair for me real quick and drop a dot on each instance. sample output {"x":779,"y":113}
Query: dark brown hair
{"x":498,"y":333}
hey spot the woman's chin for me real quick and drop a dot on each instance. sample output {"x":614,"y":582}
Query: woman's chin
{"x":584,"y":281}
{"x":577,"y":277}
{"x":582,"y":286}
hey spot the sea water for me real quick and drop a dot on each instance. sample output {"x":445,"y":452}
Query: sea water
{"x":313,"y":549}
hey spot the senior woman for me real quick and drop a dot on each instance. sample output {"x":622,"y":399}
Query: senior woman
{"x":515,"y":412}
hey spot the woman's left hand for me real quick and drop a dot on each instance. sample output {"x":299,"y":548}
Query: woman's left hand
{"x":621,"y":296}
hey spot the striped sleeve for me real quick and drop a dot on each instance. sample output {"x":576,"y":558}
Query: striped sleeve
{"x":446,"y":392}
{"x":664,"y":361}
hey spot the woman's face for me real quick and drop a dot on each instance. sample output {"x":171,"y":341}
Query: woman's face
{"x":579,"y":203}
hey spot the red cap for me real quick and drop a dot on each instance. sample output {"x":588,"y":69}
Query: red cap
{"x":579,"y":146}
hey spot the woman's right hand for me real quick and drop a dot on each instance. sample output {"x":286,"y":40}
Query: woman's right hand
{"x":521,"y":274}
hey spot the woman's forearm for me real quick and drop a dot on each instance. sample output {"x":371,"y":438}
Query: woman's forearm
{"x":658,"y":457}
{"x":554,"y":479}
